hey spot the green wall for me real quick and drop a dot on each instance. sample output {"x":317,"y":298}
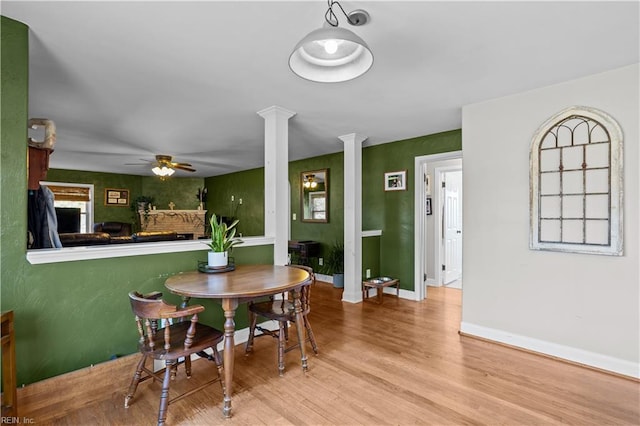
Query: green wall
{"x":182,"y":191}
{"x":393,"y":211}
{"x":325,"y":233}
{"x":371,"y":256}
{"x":247,"y":185}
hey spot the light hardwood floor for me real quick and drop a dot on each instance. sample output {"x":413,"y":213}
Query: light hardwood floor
{"x":399,"y":363}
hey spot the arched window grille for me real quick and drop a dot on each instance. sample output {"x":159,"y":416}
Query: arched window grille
{"x":576,"y":183}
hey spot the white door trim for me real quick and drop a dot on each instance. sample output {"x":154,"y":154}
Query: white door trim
{"x":420,"y":163}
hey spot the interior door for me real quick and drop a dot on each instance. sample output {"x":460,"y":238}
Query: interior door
{"x":452,"y":226}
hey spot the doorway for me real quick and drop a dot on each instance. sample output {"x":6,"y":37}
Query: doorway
{"x":451,"y":222}
{"x":438,"y":222}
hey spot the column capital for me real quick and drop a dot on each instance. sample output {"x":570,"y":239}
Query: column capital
{"x":353,"y":137}
{"x":275,"y":110}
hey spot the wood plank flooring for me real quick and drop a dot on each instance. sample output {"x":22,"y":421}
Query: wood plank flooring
{"x":398,"y":363}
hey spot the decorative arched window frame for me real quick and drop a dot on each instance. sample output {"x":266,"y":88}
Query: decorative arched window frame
{"x":577,"y":207}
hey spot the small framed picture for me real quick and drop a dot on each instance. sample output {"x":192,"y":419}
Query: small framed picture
{"x":395,"y":181}
{"x":427,"y":207}
{"x":116,"y":197}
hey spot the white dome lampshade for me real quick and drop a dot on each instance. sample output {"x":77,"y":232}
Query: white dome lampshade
{"x":330,"y":55}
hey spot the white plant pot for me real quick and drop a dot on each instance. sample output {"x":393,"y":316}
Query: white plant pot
{"x":217,"y":260}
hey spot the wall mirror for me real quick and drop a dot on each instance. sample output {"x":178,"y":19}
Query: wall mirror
{"x":314,"y":196}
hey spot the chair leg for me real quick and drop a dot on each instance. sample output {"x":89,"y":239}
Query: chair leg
{"x":253,"y":319}
{"x":218,"y":360}
{"x":281,"y":347}
{"x":312,"y":339}
{"x":164,"y":396}
{"x":174,"y":371}
{"x":134,"y":381}
{"x":187,"y":366}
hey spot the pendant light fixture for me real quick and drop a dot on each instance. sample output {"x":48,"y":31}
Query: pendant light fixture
{"x":332,"y":54}
{"x":310,"y":182}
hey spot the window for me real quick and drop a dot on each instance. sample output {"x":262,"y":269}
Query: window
{"x":74,"y":195}
{"x":576,"y":183}
{"x":318,"y":205}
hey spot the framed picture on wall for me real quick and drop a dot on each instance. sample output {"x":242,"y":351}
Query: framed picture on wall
{"x":395,"y":181}
{"x":116,"y":197}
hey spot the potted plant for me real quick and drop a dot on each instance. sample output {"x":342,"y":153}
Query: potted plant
{"x":223,"y":240}
{"x":335,"y":264}
{"x":141,"y":204}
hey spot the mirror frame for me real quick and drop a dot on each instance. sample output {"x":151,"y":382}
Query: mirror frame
{"x":326,"y":191}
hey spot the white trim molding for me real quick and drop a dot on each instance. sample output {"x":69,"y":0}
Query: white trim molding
{"x":70,"y":254}
{"x":580,"y":356}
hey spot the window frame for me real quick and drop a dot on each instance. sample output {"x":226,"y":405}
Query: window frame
{"x":89,"y":220}
{"x":615,"y":246}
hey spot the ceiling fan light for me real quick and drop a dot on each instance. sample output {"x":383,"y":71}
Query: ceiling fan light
{"x":315,"y":59}
{"x":163,"y":171}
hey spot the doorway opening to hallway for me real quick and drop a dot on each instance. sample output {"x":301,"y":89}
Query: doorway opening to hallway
{"x":438,"y":222}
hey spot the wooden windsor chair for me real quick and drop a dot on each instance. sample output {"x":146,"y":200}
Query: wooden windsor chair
{"x":282,"y":310}
{"x":171,"y":343}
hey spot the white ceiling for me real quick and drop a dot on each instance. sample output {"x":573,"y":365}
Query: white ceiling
{"x":126,"y":80}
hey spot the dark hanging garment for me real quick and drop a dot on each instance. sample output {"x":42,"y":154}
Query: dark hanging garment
{"x":42,"y":224}
{"x":37,"y":223}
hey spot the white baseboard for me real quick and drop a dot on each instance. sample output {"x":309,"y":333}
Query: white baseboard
{"x":580,"y":356}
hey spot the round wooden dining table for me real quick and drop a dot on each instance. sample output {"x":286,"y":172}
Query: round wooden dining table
{"x":244,"y":283}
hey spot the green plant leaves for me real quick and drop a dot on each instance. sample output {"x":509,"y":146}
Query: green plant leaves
{"x":222,"y":236}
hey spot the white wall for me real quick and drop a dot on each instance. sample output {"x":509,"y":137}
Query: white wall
{"x":575,"y":306}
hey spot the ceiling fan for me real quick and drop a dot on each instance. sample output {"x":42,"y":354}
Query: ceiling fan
{"x":165,"y":167}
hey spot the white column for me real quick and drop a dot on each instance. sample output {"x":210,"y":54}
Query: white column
{"x":352,"y":217}
{"x":276,"y":179}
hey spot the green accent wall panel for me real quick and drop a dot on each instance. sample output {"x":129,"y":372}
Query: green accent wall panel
{"x":371,"y":256}
{"x":181,"y":191}
{"x":325,"y":233}
{"x":246,"y":185}
{"x":393,"y":211}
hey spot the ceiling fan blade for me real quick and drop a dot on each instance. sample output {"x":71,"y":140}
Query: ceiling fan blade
{"x":181,"y":167}
{"x":180,"y":164}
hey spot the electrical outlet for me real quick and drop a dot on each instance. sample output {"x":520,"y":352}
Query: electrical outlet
{"x":240,"y":201}
{"x":233,"y":198}
{"x":368,"y":273}
{"x":294,"y":216}
{"x":320,"y":261}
